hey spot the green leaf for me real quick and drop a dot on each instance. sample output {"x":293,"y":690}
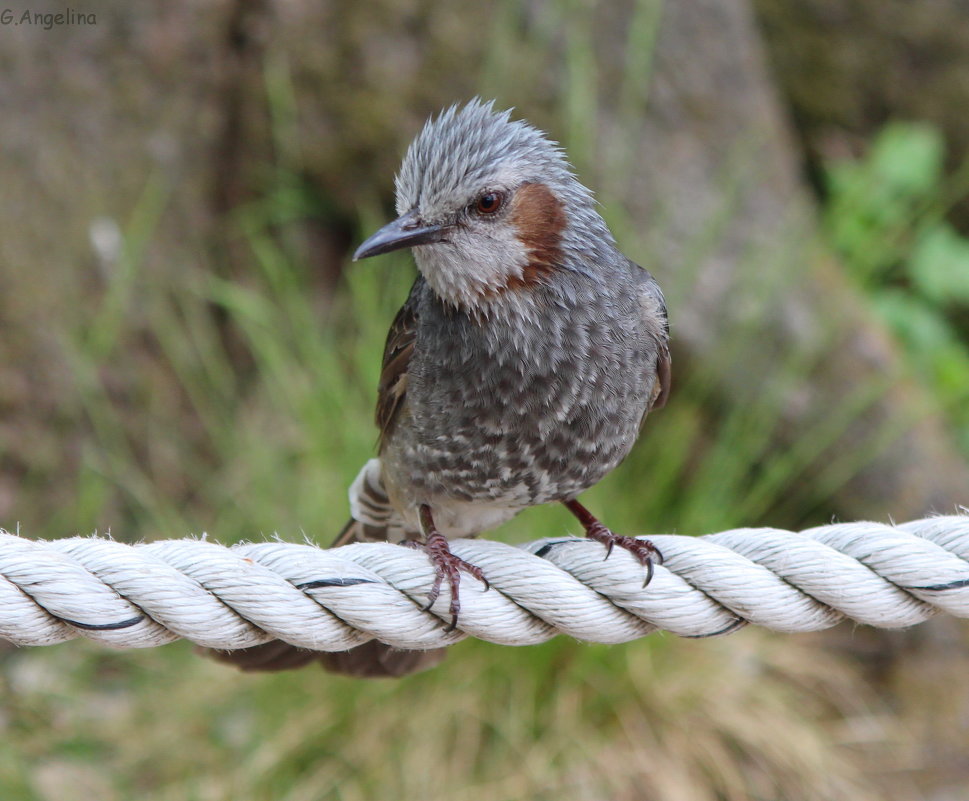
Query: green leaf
{"x":919,"y":324}
{"x":932,"y":342}
{"x":907,"y":158}
{"x":939,"y":266}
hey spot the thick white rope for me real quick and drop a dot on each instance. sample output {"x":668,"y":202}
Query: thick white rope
{"x":135,"y":596}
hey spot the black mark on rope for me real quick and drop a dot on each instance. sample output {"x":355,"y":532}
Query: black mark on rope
{"x":541,"y":552}
{"x":959,"y":584}
{"x":729,"y":629}
{"x":336,"y":582}
{"x":122,"y":624}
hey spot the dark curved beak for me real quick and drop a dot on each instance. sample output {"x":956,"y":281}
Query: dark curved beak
{"x":404,"y":232}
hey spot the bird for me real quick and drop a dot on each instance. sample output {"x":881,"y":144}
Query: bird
{"x":518,"y":371}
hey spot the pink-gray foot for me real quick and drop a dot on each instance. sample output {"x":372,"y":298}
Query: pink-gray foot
{"x":446,"y":565}
{"x":643,"y":550}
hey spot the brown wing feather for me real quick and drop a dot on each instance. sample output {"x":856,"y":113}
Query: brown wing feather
{"x":664,"y":377}
{"x":392,"y":387}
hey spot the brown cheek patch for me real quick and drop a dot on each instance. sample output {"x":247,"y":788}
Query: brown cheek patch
{"x":540,"y":220}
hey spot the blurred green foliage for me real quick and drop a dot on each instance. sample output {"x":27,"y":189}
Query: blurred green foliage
{"x":885,"y":216}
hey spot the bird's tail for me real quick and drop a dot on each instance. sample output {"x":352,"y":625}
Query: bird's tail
{"x":374,"y":520}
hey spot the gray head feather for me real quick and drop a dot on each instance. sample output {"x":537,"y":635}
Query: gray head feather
{"x":470,"y":150}
{"x":465,"y":149}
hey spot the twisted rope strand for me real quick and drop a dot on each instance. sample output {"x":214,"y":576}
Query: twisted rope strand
{"x":137,"y":596}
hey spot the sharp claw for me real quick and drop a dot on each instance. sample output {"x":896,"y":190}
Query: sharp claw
{"x":643,"y":550}
{"x":453,"y":609}
{"x":647,"y":553}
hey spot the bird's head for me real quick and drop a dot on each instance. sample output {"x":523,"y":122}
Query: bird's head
{"x":489,"y":205}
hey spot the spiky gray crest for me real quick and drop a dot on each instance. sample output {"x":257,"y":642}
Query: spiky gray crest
{"x":465,"y":149}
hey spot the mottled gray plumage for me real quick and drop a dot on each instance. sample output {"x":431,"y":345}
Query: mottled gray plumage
{"x":532,"y":404}
{"x":521,"y":366}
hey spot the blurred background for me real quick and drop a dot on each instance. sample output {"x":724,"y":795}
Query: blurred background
{"x":186,"y":348}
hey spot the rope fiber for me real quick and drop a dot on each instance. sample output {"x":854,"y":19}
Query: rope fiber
{"x":139,"y":596}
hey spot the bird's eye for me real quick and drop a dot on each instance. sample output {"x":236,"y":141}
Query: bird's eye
{"x":489,"y":202}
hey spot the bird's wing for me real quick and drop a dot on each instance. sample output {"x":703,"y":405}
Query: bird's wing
{"x":392,"y":387}
{"x":653,"y":306}
{"x":664,"y":377}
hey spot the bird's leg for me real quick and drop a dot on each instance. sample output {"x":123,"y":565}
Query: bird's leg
{"x":446,"y":565}
{"x":643,"y":550}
